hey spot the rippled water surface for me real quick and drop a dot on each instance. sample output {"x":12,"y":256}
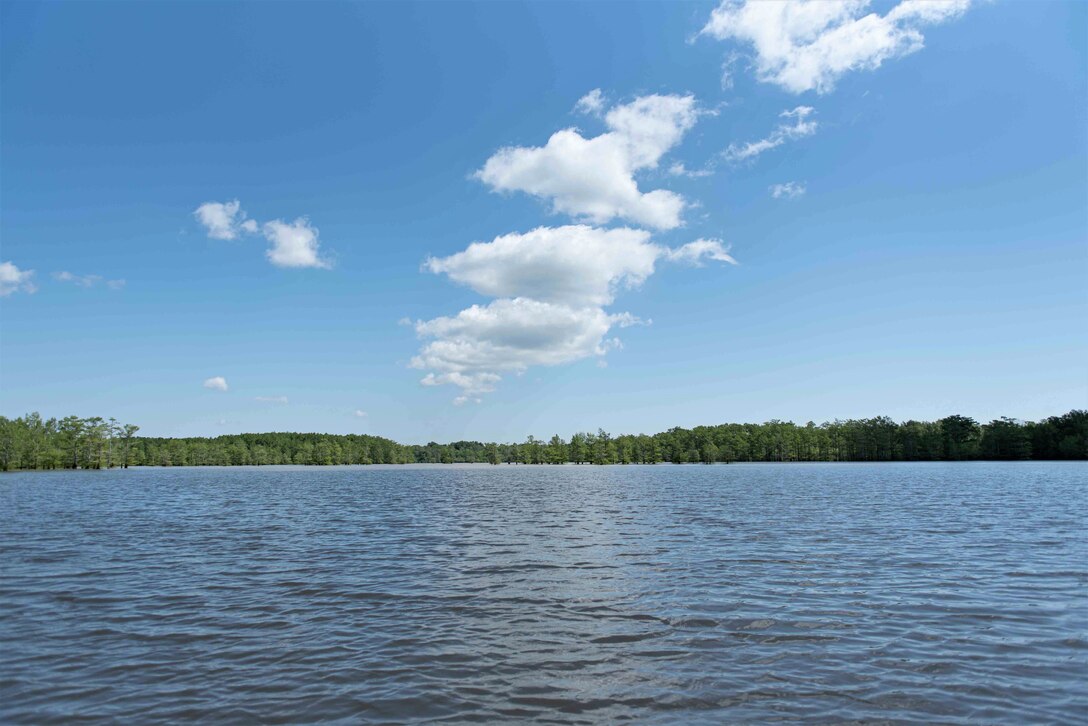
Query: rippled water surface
{"x":837,"y":592}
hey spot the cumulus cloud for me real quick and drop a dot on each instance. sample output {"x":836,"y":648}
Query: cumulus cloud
{"x":805,"y":45}
{"x":224,"y":220}
{"x":13,"y":279}
{"x":471,"y":348}
{"x":593,"y":179}
{"x":574,"y":265}
{"x":268,"y":399}
{"x":795,"y":126}
{"x":552,"y":284}
{"x":87,"y":280}
{"x":789,"y":190}
{"x":295,"y":244}
{"x":359,"y":413}
{"x":216,"y":383}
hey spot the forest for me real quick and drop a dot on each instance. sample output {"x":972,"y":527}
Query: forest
{"x":32,"y":442}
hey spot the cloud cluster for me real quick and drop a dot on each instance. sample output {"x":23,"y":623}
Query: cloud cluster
{"x":551,"y":285}
{"x":593,"y":179}
{"x":216,"y":383}
{"x":87,"y":280}
{"x":292,"y":244}
{"x":12,"y":279}
{"x":796,"y":126}
{"x":805,"y":45}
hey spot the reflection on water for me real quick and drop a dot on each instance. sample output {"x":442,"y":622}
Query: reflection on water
{"x":915,"y":592}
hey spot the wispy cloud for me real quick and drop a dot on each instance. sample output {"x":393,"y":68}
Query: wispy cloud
{"x":806,"y":45}
{"x":359,"y":413}
{"x":592,"y":103}
{"x":693,"y":253}
{"x":795,"y":126}
{"x":789,"y":190}
{"x":87,"y":280}
{"x":678,"y":169}
{"x":270,"y":399}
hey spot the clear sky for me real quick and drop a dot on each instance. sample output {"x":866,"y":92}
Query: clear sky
{"x":684,"y":213}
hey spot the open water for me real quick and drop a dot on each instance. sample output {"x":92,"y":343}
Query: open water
{"x":953,"y":593}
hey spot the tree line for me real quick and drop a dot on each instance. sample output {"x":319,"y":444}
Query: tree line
{"x":31,"y":442}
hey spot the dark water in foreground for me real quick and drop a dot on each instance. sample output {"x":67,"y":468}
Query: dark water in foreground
{"x":887,"y":592}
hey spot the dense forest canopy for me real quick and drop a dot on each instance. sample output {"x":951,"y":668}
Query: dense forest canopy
{"x":31,"y":442}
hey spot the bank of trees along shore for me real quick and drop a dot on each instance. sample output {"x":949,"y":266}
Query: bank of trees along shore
{"x":31,"y":442}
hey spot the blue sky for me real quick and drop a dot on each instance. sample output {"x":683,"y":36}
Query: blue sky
{"x":910,"y":238}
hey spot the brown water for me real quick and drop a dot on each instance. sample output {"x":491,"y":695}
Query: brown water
{"x":890,"y":592}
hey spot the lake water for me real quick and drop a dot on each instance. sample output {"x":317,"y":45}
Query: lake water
{"x":837,"y":592}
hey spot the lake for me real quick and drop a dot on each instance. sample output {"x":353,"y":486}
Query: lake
{"x":950,"y":592}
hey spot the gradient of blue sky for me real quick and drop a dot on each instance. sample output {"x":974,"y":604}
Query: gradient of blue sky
{"x":935,"y":264}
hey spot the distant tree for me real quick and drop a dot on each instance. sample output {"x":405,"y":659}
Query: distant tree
{"x":710,"y":452}
{"x":127,"y":432}
{"x":578,"y":449}
{"x":961,"y":436}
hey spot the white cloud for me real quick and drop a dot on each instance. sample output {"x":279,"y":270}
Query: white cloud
{"x":216,"y":383}
{"x":87,"y":280}
{"x":552,"y":284}
{"x":575,"y":265}
{"x":693,"y":253}
{"x":13,"y":279}
{"x":796,"y":126}
{"x":471,"y":348}
{"x":294,"y":245}
{"x":268,"y":399}
{"x":359,"y":413}
{"x":805,"y":45}
{"x":224,"y":220}
{"x":592,"y":103}
{"x":789,"y":190}
{"x":593,"y":179}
